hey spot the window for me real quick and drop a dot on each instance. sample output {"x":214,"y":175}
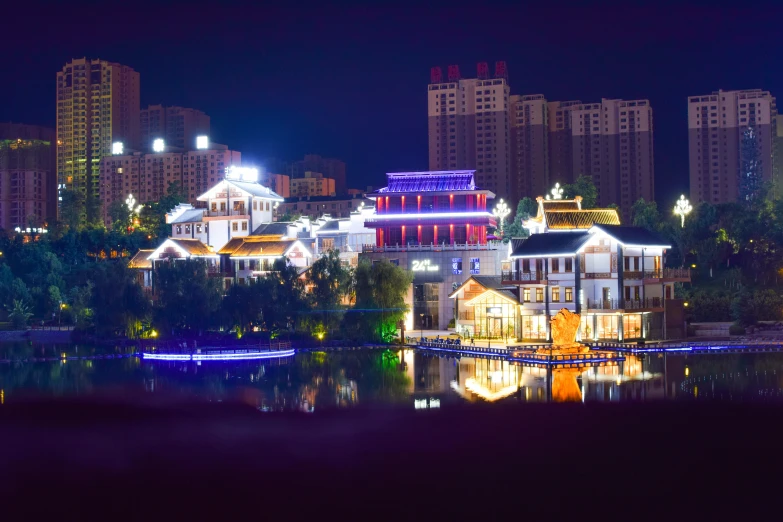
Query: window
{"x":267,"y":206}
{"x":255,"y":205}
{"x":222,"y":206}
{"x":327,"y":243}
{"x":569,"y":265}
{"x":234,"y":226}
{"x":556,"y":294}
{"x":244,"y":226}
{"x":475,"y":266}
{"x":526,"y":295}
{"x":456,"y":265}
{"x":539,"y":295}
{"x":569,"y":295}
{"x":526,"y":266}
{"x":214,"y":207}
{"x":555,"y":264}
{"x":179,"y":229}
{"x":241,"y":264}
{"x":198,"y":229}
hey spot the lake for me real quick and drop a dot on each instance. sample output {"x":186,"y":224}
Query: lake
{"x":313,"y":381}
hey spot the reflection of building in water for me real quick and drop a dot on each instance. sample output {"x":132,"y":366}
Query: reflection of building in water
{"x":486,"y":379}
{"x":346,"y":392}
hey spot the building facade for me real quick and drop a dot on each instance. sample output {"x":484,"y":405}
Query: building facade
{"x":312,"y":184}
{"x":581,"y":260}
{"x":330,"y":168}
{"x":280,"y":183}
{"x":529,"y":134}
{"x":435,"y":225}
{"x":178,"y":126}
{"x":717,"y":125}
{"x":27,"y":176}
{"x":468,"y":126}
{"x":315,"y":207}
{"x":97,"y":105}
{"x":148,"y":176}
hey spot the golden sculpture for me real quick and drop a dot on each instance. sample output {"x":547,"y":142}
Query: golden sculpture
{"x":564,"y":327}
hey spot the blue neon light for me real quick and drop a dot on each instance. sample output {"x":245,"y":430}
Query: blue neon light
{"x":250,"y":356}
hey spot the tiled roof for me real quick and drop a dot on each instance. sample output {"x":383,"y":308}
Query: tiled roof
{"x":256,"y":189}
{"x":190,"y":216}
{"x":333,"y":226}
{"x":436,"y":181}
{"x":140,"y":259}
{"x":634,"y":236}
{"x":194,"y":247}
{"x":278,"y":228}
{"x":552,"y":244}
{"x":560,"y":204}
{"x":488,"y":282}
{"x":257,"y":246}
{"x":567,"y":219}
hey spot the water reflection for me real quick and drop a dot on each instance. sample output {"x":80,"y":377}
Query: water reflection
{"x":310,"y":382}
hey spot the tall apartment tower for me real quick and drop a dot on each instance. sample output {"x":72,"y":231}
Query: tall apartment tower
{"x":27,"y":176}
{"x":178,"y":126}
{"x":717,"y":124}
{"x":97,"y":104}
{"x":561,"y":164}
{"x":612,"y":141}
{"x":468,"y":126}
{"x":530,"y":162}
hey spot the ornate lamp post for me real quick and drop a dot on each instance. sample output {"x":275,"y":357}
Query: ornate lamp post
{"x":130,"y":202}
{"x":501,"y":211}
{"x":682,"y":209}
{"x":557,"y":192}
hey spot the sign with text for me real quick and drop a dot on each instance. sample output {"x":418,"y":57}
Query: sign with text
{"x":423,"y":265}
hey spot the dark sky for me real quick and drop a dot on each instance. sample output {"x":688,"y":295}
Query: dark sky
{"x":352,"y":83}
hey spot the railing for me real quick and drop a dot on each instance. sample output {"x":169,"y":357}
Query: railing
{"x":220,"y":213}
{"x":518,"y":275}
{"x":624,"y":304}
{"x":491,"y":245}
{"x":668,"y":273}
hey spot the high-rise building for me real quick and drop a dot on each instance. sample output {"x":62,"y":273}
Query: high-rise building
{"x":148,"y":176}
{"x":97,"y":105}
{"x":468,"y":126}
{"x":612,"y":142}
{"x":561,"y":163}
{"x":178,"y":126}
{"x":530,"y":164}
{"x":331,"y":168}
{"x":279,"y":183}
{"x":717,"y":125}
{"x":27,"y":176}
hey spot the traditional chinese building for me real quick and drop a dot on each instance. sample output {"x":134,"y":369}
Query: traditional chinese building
{"x":435,"y":225}
{"x":581,"y":260}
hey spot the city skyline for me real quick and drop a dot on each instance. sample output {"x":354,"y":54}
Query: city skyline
{"x":288,"y":118}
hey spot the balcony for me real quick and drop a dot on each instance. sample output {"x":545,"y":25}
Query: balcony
{"x":492,"y":245}
{"x":625,"y":304}
{"x":516,"y":276}
{"x":223,"y":213}
{"x":669,"y":274}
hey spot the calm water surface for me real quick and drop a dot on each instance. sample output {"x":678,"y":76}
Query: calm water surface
{"x":322,"y":380}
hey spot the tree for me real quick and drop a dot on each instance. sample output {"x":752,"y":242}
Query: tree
{"x":117,"y":301}
{"x":583,"y":186}
{"x":72,"y":211}
{"x":120,"y":216}
{"x":188,"y":299}
{"x":19,"y":313}
{"x":646,"y":215}
{"x":330,"y":283}
{"x":381,"y":288}
{"x":289,"y":216}
{"x":526,"y":208}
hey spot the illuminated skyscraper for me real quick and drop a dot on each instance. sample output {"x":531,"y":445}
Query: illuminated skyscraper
{"x":469,"y":126}
{"x":97,"y":104}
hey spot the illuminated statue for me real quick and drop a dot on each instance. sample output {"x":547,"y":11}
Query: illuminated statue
{"x":564,"y":326}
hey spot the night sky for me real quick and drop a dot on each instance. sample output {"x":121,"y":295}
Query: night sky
{"x":352,"y":84}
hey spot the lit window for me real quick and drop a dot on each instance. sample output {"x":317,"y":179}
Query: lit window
{"x":569,"y":295}
{"x":526,"y":295}
{"x":475,"y":266}
{"x":456,"y":265}
{"x":234,"y":226}
{"x":556,"y":294}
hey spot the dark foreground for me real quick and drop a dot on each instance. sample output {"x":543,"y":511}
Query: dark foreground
{"x":113,"y":460}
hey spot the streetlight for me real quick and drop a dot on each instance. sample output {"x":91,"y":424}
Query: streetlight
{"x":501,"y":211}
{"x":557,"y":192}
{"x":682,"y":209}
{"x":421,"y":328}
